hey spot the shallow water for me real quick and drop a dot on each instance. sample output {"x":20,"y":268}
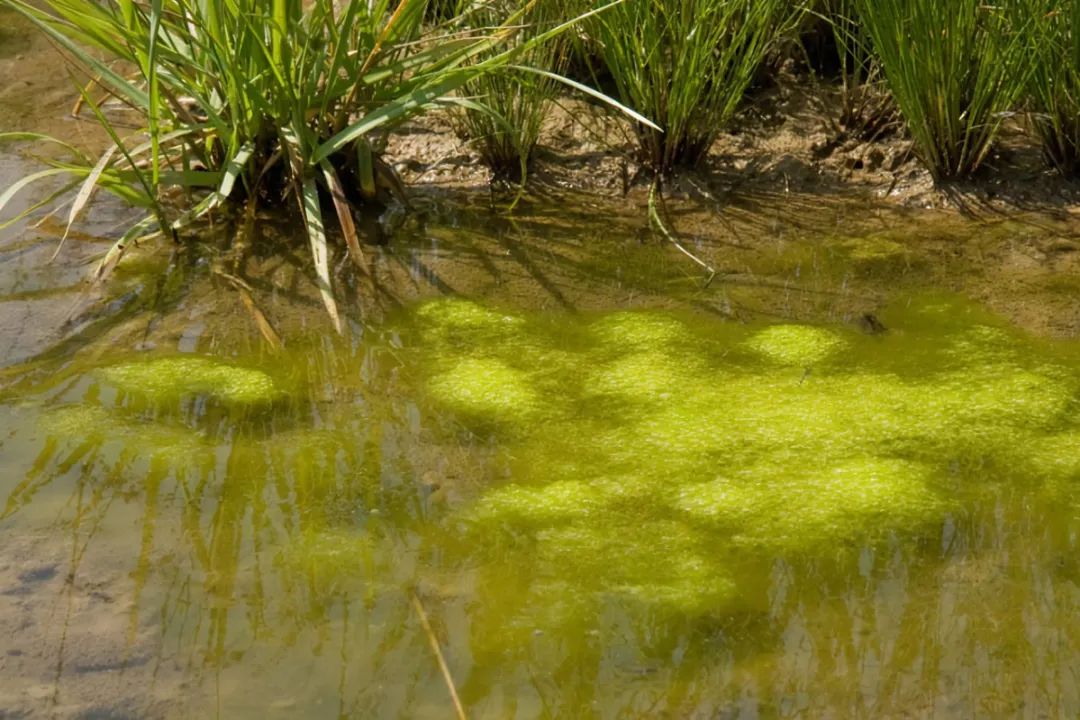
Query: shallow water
{"x":614,"y":492}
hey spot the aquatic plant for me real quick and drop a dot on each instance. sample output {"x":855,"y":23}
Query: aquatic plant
{"x":85,"y":423}
{"x":324,"y":559}
{"x":213,"y":500}
{"x":713,"y":441}
{"x":686,"y":65}
{"x":488,"y":390}
{"x":1055,"y":79}
{"x":167,"y":379}
{"x":257,"y":102}
{"x":465,"y":322}
{"x":795,"y":344}
{"x":866,"y":108}
{"x":871,"y":494}
{"x":955,"y":70}
{"x":505,"y":126}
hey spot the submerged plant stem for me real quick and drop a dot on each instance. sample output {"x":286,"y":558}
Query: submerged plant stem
{"x":437,"y":651}
{"x":658,"y":223}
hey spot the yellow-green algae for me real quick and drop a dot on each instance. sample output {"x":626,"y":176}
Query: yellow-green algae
{"x":872,"y":248}
{"x":654,"y":562}
{"x":652,"y":455}
{"x":639,"y":330}
{"x":1053,"y":463}
{"x":795,"y":344}
{"x":329,"y":554}
{"x":875,"y":254}
{"x":86,"y":423}
{"x":487,"y":389}
{"x":167,"y":379}
{"x":781,"y":507}
{"x":459,"y":315}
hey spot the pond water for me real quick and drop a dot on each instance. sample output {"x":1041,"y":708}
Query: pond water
{"x":841,"y":480}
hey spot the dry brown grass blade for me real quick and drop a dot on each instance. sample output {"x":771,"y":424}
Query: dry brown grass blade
{"x":266,"y":328}
{"x":437,"y":651}
{"x":344,"y":215}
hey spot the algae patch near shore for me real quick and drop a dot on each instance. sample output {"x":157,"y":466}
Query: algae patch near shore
{"x":633,"y":432}
{"x":170,"y":379}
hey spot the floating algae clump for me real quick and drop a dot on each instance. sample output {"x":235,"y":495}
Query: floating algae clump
{"x":782,"y":506}
{"x":328,"y":559}
{"x":82,"y":422}
{"x":795,"y":344}
{"x":553,"y":502}
{"x":655,"y":563}
{"x":487,"y":390}
{"x":173,"y":378}
{"x":329,"y":553}
{"x":1056,"y":459}
{"x":645,"y":376}
{"x":873,"y":248}
{"x":876,"y":254}
{"x":637,"y":330}
{"x":465,"y":324}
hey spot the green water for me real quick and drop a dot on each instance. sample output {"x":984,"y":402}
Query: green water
{"x":654,"y":512}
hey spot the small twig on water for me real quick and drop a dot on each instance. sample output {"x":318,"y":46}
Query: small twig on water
{"x":658,"y":223}
{"x":437,"y":651}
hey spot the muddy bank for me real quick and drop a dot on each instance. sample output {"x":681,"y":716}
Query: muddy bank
{"x":787,"y":139}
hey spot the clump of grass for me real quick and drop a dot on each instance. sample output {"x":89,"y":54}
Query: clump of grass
{"x":955,"y":70}
{"x":686,"y":64}
{"x":1055,"y":81}
{"x":505,"y":126}
{"x":259,"y":101}
{"x":866,"y":108}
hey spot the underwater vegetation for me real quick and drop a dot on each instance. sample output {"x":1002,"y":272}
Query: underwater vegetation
{"x":615,"y":486}
{"x":173,"y":378}
{"x":239,"y":434}
{"x":655,"y":456}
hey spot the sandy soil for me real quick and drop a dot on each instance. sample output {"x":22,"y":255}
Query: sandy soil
{"x":72,"y":644}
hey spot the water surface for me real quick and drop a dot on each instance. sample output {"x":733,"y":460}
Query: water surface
{"x":614,"y":491}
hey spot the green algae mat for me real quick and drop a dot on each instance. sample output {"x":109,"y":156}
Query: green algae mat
{"x":622,"y":514}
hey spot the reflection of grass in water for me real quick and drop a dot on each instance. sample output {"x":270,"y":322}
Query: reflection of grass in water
{"x":96,"y":425}
{"x":330,"y":560}
{"x":674,"y":451}
{"x":254,"y":533}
